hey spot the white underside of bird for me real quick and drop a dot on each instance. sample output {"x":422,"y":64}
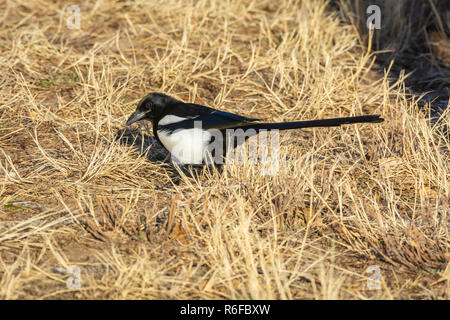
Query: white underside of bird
{"x":187,"y":146}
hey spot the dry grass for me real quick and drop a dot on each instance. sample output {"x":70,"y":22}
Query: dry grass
{"x":343,"y":199}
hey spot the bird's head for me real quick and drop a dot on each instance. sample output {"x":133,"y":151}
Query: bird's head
{"x":150,"y":107}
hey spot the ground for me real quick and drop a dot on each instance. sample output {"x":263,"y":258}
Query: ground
{"x":90,"y":209}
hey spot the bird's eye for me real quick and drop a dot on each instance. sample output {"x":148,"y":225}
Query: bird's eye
{"x":149,"y":106}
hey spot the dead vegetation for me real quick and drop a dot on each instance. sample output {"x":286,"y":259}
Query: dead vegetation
{"x":342,"y":200}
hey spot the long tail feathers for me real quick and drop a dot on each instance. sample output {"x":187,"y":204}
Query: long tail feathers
{"x":317,"y":123}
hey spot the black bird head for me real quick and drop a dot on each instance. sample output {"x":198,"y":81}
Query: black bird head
{"x":150,"y":107}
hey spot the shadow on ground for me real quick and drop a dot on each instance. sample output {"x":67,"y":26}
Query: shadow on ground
{"x":145,"y":145}
{"x":415,"y":35}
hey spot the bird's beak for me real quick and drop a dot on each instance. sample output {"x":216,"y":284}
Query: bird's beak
{"x":136,"y":116}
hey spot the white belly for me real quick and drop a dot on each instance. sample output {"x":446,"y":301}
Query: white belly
{"x":186,"y":146}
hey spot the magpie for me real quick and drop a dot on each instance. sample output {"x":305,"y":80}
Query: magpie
{"x":187,"y":130}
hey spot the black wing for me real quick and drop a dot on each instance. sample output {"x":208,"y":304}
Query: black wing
{"x":210,"y":118}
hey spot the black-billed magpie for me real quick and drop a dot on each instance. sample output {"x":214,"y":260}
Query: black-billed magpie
{"x":188,"y":130}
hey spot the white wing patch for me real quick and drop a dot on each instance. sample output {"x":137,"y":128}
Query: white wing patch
{"x":170,"y":119}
